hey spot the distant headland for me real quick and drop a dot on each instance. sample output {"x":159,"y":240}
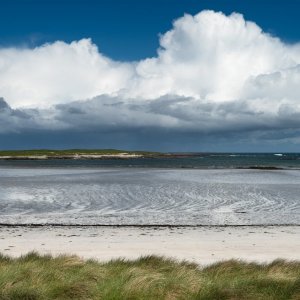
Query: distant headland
{"x":43,"y":154}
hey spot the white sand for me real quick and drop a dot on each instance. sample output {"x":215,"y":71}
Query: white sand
{"x":203,"y":245}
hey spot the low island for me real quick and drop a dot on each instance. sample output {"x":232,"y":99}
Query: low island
{"x":73,"y":154}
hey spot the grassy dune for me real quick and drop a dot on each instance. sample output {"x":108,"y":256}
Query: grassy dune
{"x":67,"y":277}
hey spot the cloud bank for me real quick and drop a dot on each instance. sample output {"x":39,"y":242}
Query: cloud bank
{"x":213,"y":75}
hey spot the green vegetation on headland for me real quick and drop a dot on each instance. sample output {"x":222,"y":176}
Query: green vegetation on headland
{"x":68,"y":277}
{"x":73,"y":153}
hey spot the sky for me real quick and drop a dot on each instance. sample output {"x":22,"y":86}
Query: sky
{"x":165,"y":75}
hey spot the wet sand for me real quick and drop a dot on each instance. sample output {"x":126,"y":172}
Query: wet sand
{"x":203,"y":245}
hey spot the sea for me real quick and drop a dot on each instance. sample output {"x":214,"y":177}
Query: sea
{"x":199,"y":189}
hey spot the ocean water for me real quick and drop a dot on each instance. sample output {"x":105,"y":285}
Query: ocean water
{"x":195,"y":161}
{"x":181,"y":191}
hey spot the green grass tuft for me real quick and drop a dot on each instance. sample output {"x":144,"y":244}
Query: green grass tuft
{"x":35,"y":276}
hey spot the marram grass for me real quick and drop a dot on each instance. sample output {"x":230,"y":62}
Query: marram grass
{"x":68,"y":277}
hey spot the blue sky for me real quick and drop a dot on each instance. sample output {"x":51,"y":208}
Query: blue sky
{"x":170,"y":75}
{"x":128,"y":29}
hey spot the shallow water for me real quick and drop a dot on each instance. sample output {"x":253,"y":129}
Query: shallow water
{"x":148,"y":196}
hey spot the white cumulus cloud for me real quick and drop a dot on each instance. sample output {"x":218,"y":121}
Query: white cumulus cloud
{"x":58,"y":73}
{"x":209,"y":56}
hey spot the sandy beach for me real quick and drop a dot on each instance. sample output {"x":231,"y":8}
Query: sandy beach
{"x":203,"y":245}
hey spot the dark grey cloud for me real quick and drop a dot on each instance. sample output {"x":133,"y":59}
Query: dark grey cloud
{"x":167,"y":123}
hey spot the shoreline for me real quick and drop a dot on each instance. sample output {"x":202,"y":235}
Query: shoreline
{"x":203,"y":245}
{"x":45,"y":225}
